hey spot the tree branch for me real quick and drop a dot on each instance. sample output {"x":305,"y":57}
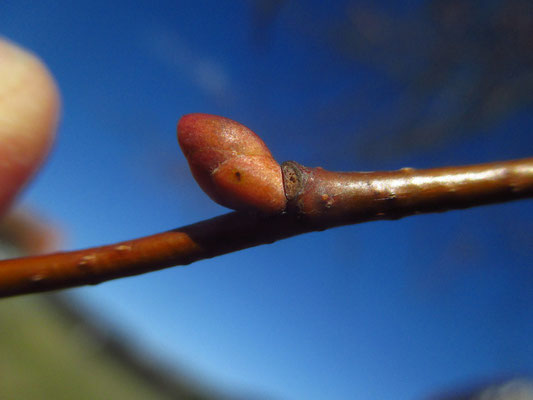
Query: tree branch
{"x":316,"y":200}
{"x":336,"y":198}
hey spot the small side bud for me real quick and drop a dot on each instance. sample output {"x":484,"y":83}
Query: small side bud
{"x":231,"y":164}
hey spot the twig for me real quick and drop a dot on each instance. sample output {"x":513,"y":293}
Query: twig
{"x":316,"y":200}
{"x":330,"y":198}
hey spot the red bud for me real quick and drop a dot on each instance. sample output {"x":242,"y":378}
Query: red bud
{"x":231,"y":164}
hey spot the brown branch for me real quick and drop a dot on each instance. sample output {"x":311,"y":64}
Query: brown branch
{"x":317,"y":200}
{"x":336,"y":198}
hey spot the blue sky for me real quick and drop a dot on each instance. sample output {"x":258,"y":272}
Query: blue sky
{"x":388,"y":310}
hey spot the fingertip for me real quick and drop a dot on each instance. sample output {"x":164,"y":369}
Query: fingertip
{"x":29,"y":111}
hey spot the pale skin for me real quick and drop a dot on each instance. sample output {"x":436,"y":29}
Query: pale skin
{"x":29,"y":112}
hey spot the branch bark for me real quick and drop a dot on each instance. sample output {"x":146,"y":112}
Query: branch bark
{"x":316,"y":200}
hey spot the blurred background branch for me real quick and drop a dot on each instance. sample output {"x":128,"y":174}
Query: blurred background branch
{"x":458,"y":67}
